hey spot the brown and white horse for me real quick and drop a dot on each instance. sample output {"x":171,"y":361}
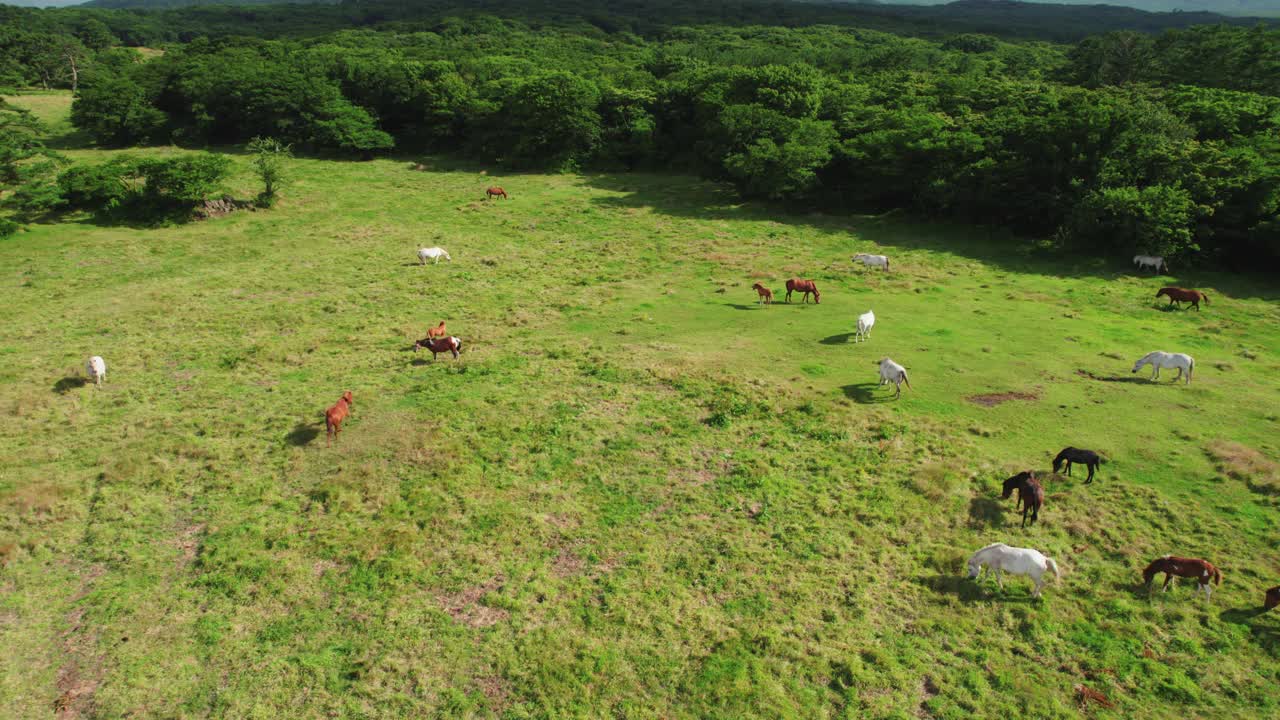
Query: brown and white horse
{"x":804,"y":286}
{"x":1181,"y":295}
{"x":765,"y":295}
{"x":334,"y":416}
{"x":439,"y":345}
{"x":1202,"y":570}
{"x":494,"y":192}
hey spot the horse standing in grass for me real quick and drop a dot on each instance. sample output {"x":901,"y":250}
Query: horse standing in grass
{"x":764,"y":294}
{"x":1160,"y":359}
{"x":872,"y":260}
{"x":1155,"y":262}
{"x":437,"y":331}
{"x":1076,"y":455}
{"x":866,"y":321}
{"x":1272,"y":598}
{"x":436,"y":346}
{"x":435,"y":252}
{"x":1030,"y":494}
{"x":1181,"y":295}
{"x":334,"y":416}
{"x":804,"y":286}
{"x":892,"y":372}
{"x":494,"y":192}
{"x":1016,"y":561}
{"x":1202,"y":570}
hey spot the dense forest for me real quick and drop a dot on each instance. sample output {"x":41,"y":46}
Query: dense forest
{"x":1165,"y":143}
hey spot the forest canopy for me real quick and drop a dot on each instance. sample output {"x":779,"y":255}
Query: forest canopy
{"x":1122,"y":142}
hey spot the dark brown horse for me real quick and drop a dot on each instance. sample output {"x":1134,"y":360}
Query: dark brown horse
{"x":1272,"y":598}
{"x":764,"y":293}
{"x":1202,"y":570}
{"x":1181,"y":295}
{"x":494,"y":192}
{"x":1076,"y":455}
{"x":804,"y":286}
{"x":334,"y":416}
{"x":1030,"y":494}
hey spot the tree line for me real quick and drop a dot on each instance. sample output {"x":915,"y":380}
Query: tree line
{"x":1121,"y":143}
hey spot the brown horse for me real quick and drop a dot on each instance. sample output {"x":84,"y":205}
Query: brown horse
{"x":1030,"y":494}
{"x":439,"y":345}
{"x":804,"y":286}
{"x":1272,"y":598}
{"x":437,"y":331}
{"x":1181,"y":295}
{"x":494,"y":192}
{"x":1202,"y":570}
{"x":334,"y":416}
{"x":765,"y":294}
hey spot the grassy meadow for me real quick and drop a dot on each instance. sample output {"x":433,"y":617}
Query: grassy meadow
{"x":637,"y":493}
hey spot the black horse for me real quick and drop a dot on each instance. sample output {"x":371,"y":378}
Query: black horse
{"x":1030,"y":494}
{"x":1076,"y":455}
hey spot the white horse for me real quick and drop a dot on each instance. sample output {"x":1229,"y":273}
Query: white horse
{"x":872,"y":260}
{"x":1158,"y":359}
{"x":96,"y":368}
{"x":434,"y":252}
{"x":866,"y":321}
{"x":1016,"y":561}
{"x":1155,"y":262}
{"x":891,"y":371}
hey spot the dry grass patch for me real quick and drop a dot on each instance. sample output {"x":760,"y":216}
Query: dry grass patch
{"x":1241,"y":462}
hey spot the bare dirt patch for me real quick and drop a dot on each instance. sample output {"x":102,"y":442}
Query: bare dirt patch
{"x":465,"y":606}
{"x":1243,"y":463}
{"x":928,"y":690}
{"x":188,"y":542}
{"x":567,"y":564}
{"x":81,"y":673}
{"x":497,"y":690}
{"x":993,"y":399}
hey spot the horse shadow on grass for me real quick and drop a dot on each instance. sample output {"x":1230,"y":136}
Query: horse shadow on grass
{"x":985,"y":512}
{"x":840,"y":339}
{"x":866,"y":393}
{"x":303,"y":434}
{"x":1263,"y":624}
{"x":967,"y":590}
{"x":740,"y":306}
{"x":1117,"y":378}
{"x":69,"y":383}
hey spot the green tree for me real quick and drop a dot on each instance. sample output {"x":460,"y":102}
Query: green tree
{"x":269,"y":158}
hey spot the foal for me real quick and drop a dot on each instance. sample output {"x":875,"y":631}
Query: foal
{"x":1202,"y":570}
{"x":437,"y":331}
{"x":1076,"y":455}
{"x":334,"y":416}
{"x":1030,"y":494}
{"x":764,"y":293}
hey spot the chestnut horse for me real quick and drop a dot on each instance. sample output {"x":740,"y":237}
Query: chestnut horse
{"x":764,"y":293}
{"x":1030,"y":494}
{"x":437,"y":331}
{"x":494,"y":192}
{"x":334,"y":416}
{"x":1272,"y":598}
{"x":804,"y":286}
{"x":1181,"y":295}
{"x":1202,"y":570}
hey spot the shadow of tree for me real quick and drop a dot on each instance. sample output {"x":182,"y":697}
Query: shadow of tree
{"x":303,"y":434}
{"x":985,"y":512}
{"x":865,"y":393}
{"x":69,"y":383}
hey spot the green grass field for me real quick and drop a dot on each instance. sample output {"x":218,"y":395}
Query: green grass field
{"x":637,"y":494}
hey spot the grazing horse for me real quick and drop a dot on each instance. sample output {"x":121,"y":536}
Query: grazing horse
{"x":1202,"y":570}
{"x":764,"y":294}
{"x":1015,"y":561}
{"x":1030,"y":494}
{"x":891,"y":371}
{"x":334,"y":416}
{"x":1155,"y":262}
{"x":1076,"y":455}
{"x":872,"y":260}
{"x":437,"y":331}
{"x":435,"y":252}
{"x":1272,"y":598}
{"x":866,"y":321}
{"x":1181,"y":295}
{"x":439,"y":345}
{"x":804,"y":286}
{"x":1160,"y":359}
{"x":494,"y":192}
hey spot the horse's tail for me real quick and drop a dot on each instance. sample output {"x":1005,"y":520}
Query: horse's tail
{"x":1217,"y":576}
{"x":904,"y":378}
{"x":1205,"y":297}
{"x":1053,"y":567}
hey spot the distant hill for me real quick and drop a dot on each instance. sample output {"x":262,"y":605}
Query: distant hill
{"x":190,"y":3}
{"x":1254,"y":8}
